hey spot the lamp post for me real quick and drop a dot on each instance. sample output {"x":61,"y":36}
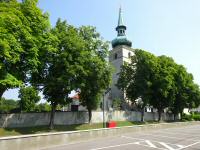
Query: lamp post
{"x":103,"y":111}
{"x":104,"y":93}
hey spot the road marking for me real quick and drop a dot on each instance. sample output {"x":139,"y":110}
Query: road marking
{"x":150,"y":144}
{"x":166,"y":146}
{"x":145,"y":139}
{"x":180,"y":146}
{"x":112,"y":146}
{"x":189,"y":145}
{"x":171,"y":137}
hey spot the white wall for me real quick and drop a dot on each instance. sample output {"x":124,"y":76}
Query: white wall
{"x":67,"y":118}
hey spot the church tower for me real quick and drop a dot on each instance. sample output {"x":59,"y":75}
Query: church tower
{"x":120,"y":53}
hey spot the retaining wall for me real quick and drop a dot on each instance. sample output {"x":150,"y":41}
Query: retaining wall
{"x":68,"y":118}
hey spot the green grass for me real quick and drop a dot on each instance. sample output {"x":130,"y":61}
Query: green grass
{"x":44,"y":129}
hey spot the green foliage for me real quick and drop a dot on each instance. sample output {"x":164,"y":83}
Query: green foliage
{"x":97,"y":71}
{"x":163,"y":84}
{"x":117,"y":103}
{"x":159,"y":82}
{"x":23,"y":38}
{"x":43,"y":107}
{"x":76,"y":63}
{"x":186,"y":92}
{"x":186,"y":117}
{"x":136,"y":78}
{"x":196,"y":117}
{"x":8,"y":105}
{"x":28,"y":98}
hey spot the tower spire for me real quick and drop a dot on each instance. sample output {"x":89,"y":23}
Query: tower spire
{"x":121,"y":28}
{"x":121,"y":35}
{"x":120,"y":19}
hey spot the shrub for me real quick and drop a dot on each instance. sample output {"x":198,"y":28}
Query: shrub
{"x":186,"y":117}
{"x":196,"y":117}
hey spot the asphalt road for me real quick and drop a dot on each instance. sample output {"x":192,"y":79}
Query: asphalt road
{"x":180,"y":138}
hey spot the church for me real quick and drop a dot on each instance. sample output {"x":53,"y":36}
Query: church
{"x":121,"y":52}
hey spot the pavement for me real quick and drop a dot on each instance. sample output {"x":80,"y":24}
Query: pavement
{"x":178,"y":138}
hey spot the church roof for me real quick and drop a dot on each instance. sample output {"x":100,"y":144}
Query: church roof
{"x":120,"y":19}
{"x":121,"y":38}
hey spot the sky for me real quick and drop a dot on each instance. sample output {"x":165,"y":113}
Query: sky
{"x":162,"y":27}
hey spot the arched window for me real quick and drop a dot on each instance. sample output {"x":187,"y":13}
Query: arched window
{"x":115,"y":56}
{"x":129,"y":55}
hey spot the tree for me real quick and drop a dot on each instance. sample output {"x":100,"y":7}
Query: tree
{"x":163,"y":84}
{"x":135,"y":79}
{"x":24,"y":36}
{"x":94,"y":84}
{"x":97,"y":74}
{"x":117,"y":104}
{"x":8,"y":105}
{"x":59,"y":72}
{"x":194,"y":96}
{"x":28,"y":98}
{"x":182,"y":82}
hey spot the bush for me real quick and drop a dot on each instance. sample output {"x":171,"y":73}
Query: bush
{"x":196,"y":117}
{"x":186,"y":117}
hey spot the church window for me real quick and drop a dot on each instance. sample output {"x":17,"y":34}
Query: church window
{"x":129,"y":55}
{"x":115,"y":56}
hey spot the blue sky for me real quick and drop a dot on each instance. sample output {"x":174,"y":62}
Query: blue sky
{"x":162,"y":27}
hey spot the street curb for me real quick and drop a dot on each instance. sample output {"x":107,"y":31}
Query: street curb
{"x":45,"y":140}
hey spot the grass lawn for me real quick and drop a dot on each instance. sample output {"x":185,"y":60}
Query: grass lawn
{"x":43,"y":129}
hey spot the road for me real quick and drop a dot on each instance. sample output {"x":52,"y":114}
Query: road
{"x":179,"y":138}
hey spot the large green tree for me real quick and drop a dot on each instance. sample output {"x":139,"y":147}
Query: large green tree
{"x":94,"y":83}
{"x":97,"y":76}
{"x":136,"y":79}
{"x":163,"y":84}
{"x":59,"y":72}
{"x":155,"y":81}
{"x":187,"y":92}
{"x":24,"y":30}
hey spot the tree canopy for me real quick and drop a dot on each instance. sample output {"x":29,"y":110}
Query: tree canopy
{"x":158,"y":82}
{"x":76,"y":63}
{"x":23,"y":37}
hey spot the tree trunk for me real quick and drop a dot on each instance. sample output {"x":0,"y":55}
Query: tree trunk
{"x":51,"y":123}
{"x":159,"y":115}
{"x":181,"y":115}
{"x":142,"y":115}
{"x":174,"y":117}
{"x":89,"y":115}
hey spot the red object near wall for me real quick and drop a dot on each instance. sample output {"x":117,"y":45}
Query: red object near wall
{"x":111,"y":124}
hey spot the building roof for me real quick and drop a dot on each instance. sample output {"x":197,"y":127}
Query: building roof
{"x":121,"y":38}
{"x":76,"y":96}
{"x":120,"y":19}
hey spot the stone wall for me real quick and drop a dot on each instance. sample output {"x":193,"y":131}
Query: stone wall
{"x":67,"y":118}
